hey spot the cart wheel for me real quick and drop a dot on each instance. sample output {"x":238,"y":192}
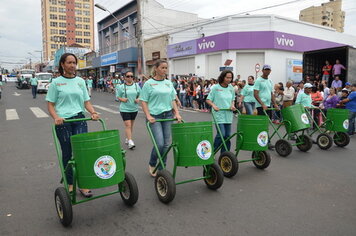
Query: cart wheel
{"x":307,"y":143}
{"x":228,"y":164}
{"x":216,"y":176}
{"x":63,"y":206}
{"x":341,"y":139}
{"x":129,"y":193}
{"x":264,"y":161}
{"x":324,"y":141}
{"x":165,"y":186}
{"x":283,"y":148}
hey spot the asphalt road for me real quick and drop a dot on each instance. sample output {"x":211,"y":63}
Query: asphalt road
{"x":309,"y":193}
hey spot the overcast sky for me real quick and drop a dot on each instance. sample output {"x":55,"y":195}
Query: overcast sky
{"x":20,"y":20}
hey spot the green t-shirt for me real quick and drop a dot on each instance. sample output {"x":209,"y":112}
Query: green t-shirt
{"x":304,"y":99}
{"x":159,"y":95}
{"x":247,"y":92}
{"x":68,"y":95}
{"x":0,"y":86}
{"x":131,"y":92}
{"x":89,"y":83}
{"x":222,"y":98}
{"x":264,"y":86}
{"x":34,"y":81}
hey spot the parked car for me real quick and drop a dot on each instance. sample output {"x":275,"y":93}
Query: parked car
{"x":44,"y":79}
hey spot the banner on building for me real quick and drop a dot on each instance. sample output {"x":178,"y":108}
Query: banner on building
{"x":294,"y":70}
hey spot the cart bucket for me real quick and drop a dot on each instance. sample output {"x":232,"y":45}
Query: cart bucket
{"x":98,"y":159}
{"x":253,"y":132}
{"x":338,"y":120}
{"x":194,"y":142}
{"x":297,"y":117}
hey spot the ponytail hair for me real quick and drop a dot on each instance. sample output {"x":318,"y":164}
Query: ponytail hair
{"x":157,"y":64}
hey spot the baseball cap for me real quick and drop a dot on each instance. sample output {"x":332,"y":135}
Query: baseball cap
{"x":344,"y":90}
{"x":266,"y":67}
{"x":308,"y":85}
{"x":347,"y":83}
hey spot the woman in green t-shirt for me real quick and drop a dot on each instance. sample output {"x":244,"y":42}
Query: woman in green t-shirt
{"x":158,"y":102}
{"x":128,"y":94}
{"x":68,"y":98}
{"x":222,"y":96}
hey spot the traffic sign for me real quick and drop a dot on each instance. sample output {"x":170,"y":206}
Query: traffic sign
{"x":257,"y":68}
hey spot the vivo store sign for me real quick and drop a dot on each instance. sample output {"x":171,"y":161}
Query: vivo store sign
{"x":249,"y":40}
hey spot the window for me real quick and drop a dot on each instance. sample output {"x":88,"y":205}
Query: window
{"x":86,"y":5}
{"x":86,"y":19}
{"x":78,"y":5}
{"x":79,"y":19}
{"x":62,"y":3}
{"x":53,"y":24}
{"x":78,"y":12}
{"x":62,"y":24}
{"x":86,"y":33}
{"x":53,"y":2}
{"x":86,"y":40}
{"x":54,"y":31}
{"x":53,"y":9}
{"x":78,"y":26}
{"x":86,"y":13}
{"x":54,"y":46}
{"x":78,"y":40}
{"x":62,"y":32}
{"x":87,"y":27}
{"x":78,"y":33}
{"x":61,"y":9}
{"x":62,"y":17}
{"x":53,"y":17}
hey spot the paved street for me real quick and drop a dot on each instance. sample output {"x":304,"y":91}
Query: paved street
{"x":304,"y":194}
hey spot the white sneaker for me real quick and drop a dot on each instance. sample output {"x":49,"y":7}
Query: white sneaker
{"x":126,"y":141}
{"x":131,"y":144}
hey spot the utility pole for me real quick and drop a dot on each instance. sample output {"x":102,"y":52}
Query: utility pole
{"x":140,"y":39}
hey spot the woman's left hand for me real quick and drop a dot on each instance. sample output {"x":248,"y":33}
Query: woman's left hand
{"x":233,"y":108}
{"x":178,"y":117}
{"x":95,"y":116}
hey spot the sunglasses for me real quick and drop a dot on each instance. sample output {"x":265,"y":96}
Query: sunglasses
{"x":129,"y":76}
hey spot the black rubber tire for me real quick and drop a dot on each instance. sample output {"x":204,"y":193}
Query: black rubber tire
{"x":63,"y":206}
{"x":130,"y":190}
{"x":324,"y":141}
{"x":307,"y":143}
{"x":345,"y":139}
{"x":265,"y":159}
{"x":217,"y":177}
{"x":165,"y":186}
{"x":283,"y":148}
{"x":228,"y":163}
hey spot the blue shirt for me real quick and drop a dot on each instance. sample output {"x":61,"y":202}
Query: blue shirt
{"x":351,"y":105}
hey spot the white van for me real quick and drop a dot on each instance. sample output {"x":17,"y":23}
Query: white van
{"x":44,"y":79}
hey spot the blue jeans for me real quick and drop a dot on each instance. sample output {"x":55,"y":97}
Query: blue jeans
{"x":63,"y":133}
{"x":226,"y":132}
{"x":162,"y":134}
{"x":249,"y":106}
{"x":182,"y":99}
{"x":34,"y":91}
{"x":352,"y":117}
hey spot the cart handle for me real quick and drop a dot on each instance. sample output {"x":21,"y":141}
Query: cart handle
{"x":86,"y":119}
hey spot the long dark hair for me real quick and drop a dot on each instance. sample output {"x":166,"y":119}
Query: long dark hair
{"x":223,"y":75}
{"x":157,"y":64}
{"x":63,"y":59}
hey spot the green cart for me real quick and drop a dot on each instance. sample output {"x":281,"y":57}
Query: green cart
{"x":252,"y":135}
{"x":97,"y":162}
{"x":192,"y":146}
{"x":296,"y":123}
{"x":335,"y":122}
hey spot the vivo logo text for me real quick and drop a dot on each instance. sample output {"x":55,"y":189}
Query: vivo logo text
{"x":285,"y":42}
{"x":206,"y":45}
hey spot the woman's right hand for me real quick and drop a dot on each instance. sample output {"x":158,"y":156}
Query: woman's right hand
{"x":151,"y":119}
{"x":58,"y":121}
{"x":124,"y":100}
{"x":216,"y":108}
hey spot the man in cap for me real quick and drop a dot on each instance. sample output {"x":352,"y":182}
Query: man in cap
{"x":305,"y":98}
{"x":351,"y":106}
{"x":347,"y":87}
{"x":263,"y":92}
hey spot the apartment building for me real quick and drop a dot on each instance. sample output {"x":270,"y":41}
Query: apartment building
{"x":65,"y":23}
{"x":328,"y":14}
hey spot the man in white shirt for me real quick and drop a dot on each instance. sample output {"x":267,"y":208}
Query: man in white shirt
{"x":288,"y":95}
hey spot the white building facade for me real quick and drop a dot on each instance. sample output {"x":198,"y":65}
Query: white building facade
{"x":248,"y":42}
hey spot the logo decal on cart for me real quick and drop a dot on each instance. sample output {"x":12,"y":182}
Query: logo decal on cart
{"x":304,"y":118}
{"x":262,"y":139}
{"x":105,"y":167}
{"x":204,"y":150}
{"x":346,"y":124}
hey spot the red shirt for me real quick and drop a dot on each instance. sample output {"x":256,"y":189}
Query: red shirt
{"x":325,"y":72}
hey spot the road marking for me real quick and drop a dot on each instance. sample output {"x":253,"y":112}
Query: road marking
{"x":39,"y":113}
{"x":11,"y":114}
{"x":106,"y":109}
{"x":16,"y":94}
